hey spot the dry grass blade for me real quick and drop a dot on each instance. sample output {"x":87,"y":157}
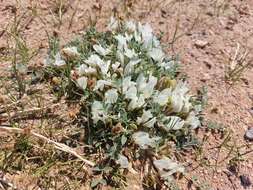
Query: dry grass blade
{"x":238,"y":65}
{"x":31,"y":114}
{"x":57,"y":145}
{"x":4,"y":184}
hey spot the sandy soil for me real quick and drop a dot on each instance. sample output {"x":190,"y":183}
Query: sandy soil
{"x":209,"y":33}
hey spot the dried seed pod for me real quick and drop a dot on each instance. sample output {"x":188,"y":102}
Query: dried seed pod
{"x":118,"y":128}
{"x":56,"y":80}
{"x":166,"y":82}
{"x":70,"y":53}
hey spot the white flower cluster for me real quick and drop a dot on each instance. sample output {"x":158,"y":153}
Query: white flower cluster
{"x":127,"y":72}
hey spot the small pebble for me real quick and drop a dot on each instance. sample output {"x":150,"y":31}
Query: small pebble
{"x":233,"y":169}
{"x":200,"y":43}
{"x":249,"y":134}
{"x":245,"y":181}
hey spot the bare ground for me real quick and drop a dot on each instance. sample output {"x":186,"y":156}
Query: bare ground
{"x":204,"y":33}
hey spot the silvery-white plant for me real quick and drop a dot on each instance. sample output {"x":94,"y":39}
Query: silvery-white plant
{"x":130,"y":80}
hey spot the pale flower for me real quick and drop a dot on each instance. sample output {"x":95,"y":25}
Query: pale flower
{"x":146,"y":120}
{"x":146,"y":115}
{"x":145,"y":30}
{"x":173,"y":123}
{"x":180,"y":99}
{"x":130,"y":53}
{"x":147,"y":34}
{"x":136,"y":102}
{"x":104,"y":67}
{"x":146,"y":88}
{"x":85,"y":70}
{"x":166,"y":167}
{"x":82,"y":82}
{"x":70,"y":52}
{"x":111,"y":96}
{"x":115,"y":66}
{"x":156,"y":54}
{"x":100,"y":84}
{"x":162,"y":97}
{"x":177,"y":102}
{"x":168,"y":65}
{"x":98,"y":112}
{"x":113,"y":25}
{"x":100,"y":50}
{"x":122,"y":42}
{"x":129,"y":68}
{"x":137,"y":36}
{"x":156,"y":42}
{"x":150,"y":123}
{"x":59,"y":61}
{"x":47,"y":61}
{"x":182,"y":87}
{"x":94,"y":61}
{"x":81,"y":69}
{"x":120,"y":56}
{"x":91,"y":71}
{"x":187,"y":104}
{"x":127,"y":83}
{"x":131,"y":26}
{"x":192,"y":120}
{"x":144,"y":141}
{"x":131,"y":93}
{"x":141,"y":81}
{"x":128,"y":37}
{"x":123,"y":161}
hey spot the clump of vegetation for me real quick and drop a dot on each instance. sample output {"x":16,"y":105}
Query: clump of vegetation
{"x":132,"y":103}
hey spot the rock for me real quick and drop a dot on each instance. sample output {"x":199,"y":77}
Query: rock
{"x":210,"y":13}
{"x":233,"y":170}
{"x":249,"y":134}
{"x":245,"y":181}
{"x":201,"y":44}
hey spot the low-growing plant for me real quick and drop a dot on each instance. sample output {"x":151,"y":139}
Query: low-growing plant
{"x":20,"y":53}
{"x":132,"y":103}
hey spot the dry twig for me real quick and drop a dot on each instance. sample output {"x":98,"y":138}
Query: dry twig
{"x":57,"y":145}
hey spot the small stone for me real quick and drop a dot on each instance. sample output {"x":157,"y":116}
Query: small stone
{"x":215,"y":110}
{"x":249,"y":134}
{"x":245,"y":181}
{"x":201,"y":44}
{"x":209,"y":13}
{"x":233,"y":169}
